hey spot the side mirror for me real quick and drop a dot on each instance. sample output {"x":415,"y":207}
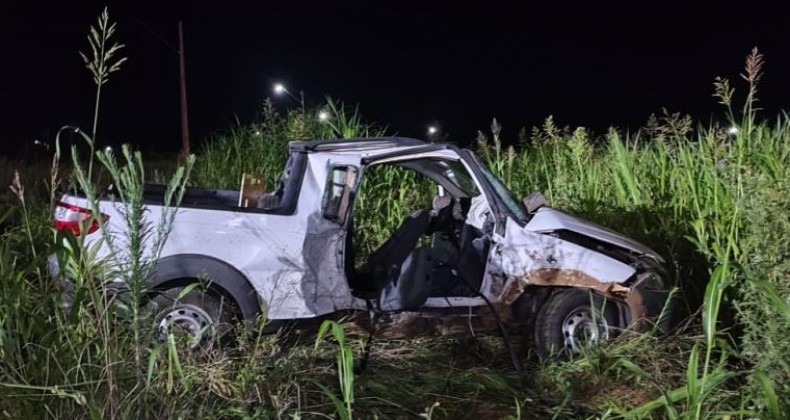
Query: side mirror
{"x":534,"y":201}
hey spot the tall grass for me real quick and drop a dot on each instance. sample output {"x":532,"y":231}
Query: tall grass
{"x":261,"y":147}
{"x":716,"y":205}
{"x":102,"y":62}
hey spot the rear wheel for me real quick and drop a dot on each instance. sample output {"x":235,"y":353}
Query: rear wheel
{"x":198,"y":319}
{"x":573,"y":320}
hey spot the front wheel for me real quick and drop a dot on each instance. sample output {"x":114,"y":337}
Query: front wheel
{"x":573,"y":320}
{"x":197,"y":318}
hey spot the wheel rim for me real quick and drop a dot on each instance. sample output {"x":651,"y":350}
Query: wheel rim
{"x":186,"y":321}
{"x":581,"y":329}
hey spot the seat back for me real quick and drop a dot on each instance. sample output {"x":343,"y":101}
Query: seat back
{"x":410,"y":289}
{"x":472,"y":256}
{"x":385,"y":262}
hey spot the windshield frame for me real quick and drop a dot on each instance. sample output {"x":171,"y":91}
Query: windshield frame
{"x":449,"y":173}
{"x":509,"y":203}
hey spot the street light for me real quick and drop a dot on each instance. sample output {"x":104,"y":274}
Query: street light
{"x":732,"y":130}
{"x":39,"y":143}
{"x":323,"y":116}
{"x":279,"y":89}
{"x":434,"y":133}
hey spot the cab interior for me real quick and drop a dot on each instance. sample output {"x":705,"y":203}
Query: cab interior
{"x":430,"y":250}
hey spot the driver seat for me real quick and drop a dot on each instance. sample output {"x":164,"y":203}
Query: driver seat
{"x":402,"y":285}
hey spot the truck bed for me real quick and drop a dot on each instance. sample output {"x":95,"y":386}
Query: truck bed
{"x":194,"y":197}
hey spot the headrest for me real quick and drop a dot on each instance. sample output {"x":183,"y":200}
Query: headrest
{"x":441,"y":201}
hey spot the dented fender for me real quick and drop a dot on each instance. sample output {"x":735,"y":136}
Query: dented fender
{"x":525,"y":258}
{"x":534,"y":258}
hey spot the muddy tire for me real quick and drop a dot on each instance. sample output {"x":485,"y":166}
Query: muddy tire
{"x":197,"y":319}
{"x":573,"y":320}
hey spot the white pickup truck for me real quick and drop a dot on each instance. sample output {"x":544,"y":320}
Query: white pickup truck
{"x":291,"y":256}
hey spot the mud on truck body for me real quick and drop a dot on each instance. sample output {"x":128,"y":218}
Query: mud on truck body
{"x":291,"y":256}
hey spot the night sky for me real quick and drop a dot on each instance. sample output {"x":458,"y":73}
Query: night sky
{"x":407,"y":64}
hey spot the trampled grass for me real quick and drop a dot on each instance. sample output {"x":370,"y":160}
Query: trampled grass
{"x":714,"y":203}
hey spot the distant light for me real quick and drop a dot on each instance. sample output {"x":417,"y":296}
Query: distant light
{"x":432,"y":129}
{"x":732,"y":130}
{"x":279,"y":89}
{"x":323,"y":116}
{"x":108,"y":149}
{"x":39,"y":143}
{"x":257,"y":132}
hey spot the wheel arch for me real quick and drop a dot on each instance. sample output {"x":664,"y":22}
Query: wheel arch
{"x":177,"y":270}
{"x":527,"y":300}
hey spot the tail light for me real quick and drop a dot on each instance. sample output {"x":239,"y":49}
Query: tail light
{"x":77,"y":220}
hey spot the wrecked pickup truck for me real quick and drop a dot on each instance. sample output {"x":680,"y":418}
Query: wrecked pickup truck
{"x":289,"y":255}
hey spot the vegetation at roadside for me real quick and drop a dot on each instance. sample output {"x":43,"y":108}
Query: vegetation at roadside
{"x":713,"y":201}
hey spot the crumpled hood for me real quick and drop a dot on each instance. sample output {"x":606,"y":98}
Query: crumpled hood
{"x":547,"y":219}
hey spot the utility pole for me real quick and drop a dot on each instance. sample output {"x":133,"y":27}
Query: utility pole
{"x":184,"y":119}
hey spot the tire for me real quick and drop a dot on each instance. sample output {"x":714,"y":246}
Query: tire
{"x":573,"y":320}
{"x":200,"y":319}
